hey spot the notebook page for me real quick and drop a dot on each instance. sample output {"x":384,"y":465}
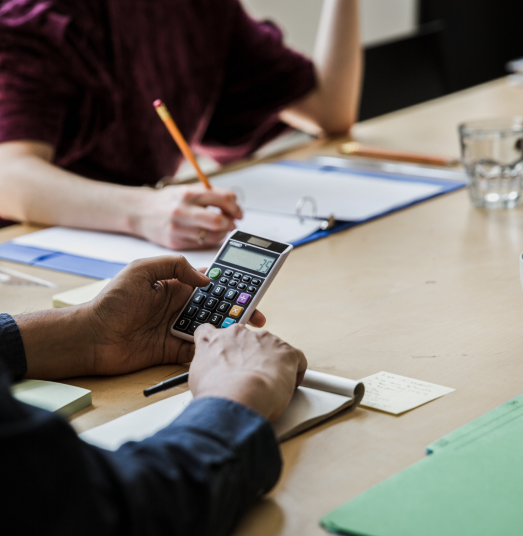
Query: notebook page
{"x":277,"y":188}
{"x":125,"y":249}
{"x":307,"y":408}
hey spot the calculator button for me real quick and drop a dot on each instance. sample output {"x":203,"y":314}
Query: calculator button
{"x":233,"y":283}
{"x":228,"y":273}
{"x":198,"y":298}
{"x":215,"y":273}
{"x":203,"y":315}
{"x":211,"y":303}
{"x":236,"y":311}
{"x":224,"y":280}
{"x":223,"y":307}
{"x":256,"y":282}
{"x":219,"y":290}
{"x":237,"y":275}
{"x":192,"y":327}
{"x":208,"y":288}
{"x":182,"y":324}
{"x":190,"y":311}
{"x":251,"y":289}
{"x":228,"y":322}
{"x":242,"y":286}
{"x":244,"y":298}
{"x":246,"y":278}
{"x":215,"y":319}
{"x":231,"y":294}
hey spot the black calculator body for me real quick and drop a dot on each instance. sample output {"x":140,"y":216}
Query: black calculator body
{"x":240,"y":274}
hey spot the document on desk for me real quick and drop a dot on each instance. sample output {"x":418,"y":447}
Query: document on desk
{"x":396,"y":394}
{"x":284,"y":201}
{"x":348,"y":194}
{"x":326,"y":396}
{"x":471,"y":487}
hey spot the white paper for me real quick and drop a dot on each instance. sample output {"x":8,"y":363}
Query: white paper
{"x":349,"y":197}
{"x":396,"y":394}
{"x":124,"y":249}
{"x":307,"y":407}
{"x":280,"y":228}
{"x":108,"y":247}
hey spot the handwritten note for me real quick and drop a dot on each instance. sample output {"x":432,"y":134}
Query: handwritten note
{"x":396,"y":394}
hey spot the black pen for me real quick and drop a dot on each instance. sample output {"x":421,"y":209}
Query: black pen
{"x":167,"y":384}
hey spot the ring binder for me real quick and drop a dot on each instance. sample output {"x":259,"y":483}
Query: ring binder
{"x":325,"y":224}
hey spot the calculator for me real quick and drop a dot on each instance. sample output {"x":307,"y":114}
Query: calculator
{"x":240,"y":274}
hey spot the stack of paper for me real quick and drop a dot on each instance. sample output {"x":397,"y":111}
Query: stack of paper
{"x":52,"y":396}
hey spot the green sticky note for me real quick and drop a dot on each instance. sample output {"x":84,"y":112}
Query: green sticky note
{"x":470,"y":492}
{"x":60,"y":397}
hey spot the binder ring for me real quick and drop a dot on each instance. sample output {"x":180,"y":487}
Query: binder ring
{"x":301,"y":203}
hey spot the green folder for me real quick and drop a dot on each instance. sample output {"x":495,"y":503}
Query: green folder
{"x":472,"y":486}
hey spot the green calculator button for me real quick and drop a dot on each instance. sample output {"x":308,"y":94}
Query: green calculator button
{"x":215,"y":273}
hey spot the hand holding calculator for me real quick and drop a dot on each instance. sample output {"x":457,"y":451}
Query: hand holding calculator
{"x":240,"y":274}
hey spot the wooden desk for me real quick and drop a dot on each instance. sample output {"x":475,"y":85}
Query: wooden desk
{"x":431,"y":292}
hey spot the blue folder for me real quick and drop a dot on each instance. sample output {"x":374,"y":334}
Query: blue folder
{"x":98,"y":269}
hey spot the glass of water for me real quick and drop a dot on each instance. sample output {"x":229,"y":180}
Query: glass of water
{"x":492,"y":153}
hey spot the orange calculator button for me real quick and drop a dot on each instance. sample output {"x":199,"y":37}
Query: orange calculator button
{"x":236,"y":311}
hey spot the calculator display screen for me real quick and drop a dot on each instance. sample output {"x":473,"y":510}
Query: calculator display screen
{"x":248,"y":259}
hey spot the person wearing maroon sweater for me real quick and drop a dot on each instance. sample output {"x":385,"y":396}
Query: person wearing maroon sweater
{"x":79,"y":134}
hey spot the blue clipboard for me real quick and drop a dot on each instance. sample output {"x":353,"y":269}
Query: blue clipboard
{"x":99,"y":269}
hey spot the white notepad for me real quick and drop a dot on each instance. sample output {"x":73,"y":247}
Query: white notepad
{"x":309,"y":406}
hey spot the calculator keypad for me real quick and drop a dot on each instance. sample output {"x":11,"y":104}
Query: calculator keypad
{"x":221,"y":303}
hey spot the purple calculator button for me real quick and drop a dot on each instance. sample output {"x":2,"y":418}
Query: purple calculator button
{"x":244,"y":298}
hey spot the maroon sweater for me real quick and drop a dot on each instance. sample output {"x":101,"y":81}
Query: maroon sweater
{"x":82,"y":75}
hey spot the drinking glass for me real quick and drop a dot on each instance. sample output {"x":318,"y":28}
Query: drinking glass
{"x":492,"y":153}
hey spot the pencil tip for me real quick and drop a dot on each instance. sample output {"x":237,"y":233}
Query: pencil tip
{"x":157,"y":103}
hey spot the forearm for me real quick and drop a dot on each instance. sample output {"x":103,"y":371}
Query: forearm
{"x":58,"y":343}
{"x":333,"y":106}
{"x":33,"y":189}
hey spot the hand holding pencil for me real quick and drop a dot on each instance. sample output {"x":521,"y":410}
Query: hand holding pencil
{"x":191,"y":223}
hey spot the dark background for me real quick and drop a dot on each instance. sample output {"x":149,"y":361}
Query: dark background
{"x":459,"y":43}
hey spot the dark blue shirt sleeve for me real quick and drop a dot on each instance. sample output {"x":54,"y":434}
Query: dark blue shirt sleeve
{"x":195,"y":477}
{"x":12,"y":352}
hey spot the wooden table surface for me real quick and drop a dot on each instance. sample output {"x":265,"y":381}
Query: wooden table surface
{"x":431,"y":292}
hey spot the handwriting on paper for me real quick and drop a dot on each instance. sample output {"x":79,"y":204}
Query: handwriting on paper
{"x":395,"y":394}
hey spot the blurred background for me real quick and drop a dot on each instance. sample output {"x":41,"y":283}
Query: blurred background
{"x":415,"y":50}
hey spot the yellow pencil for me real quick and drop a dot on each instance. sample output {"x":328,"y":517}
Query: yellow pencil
{"x":165,"y":116}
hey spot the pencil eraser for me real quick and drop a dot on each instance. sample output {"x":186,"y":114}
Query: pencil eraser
{"x":157,"y":103}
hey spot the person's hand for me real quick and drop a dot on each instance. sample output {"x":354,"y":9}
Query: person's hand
{"x":254,"y":368}
{"x":175,"y":216}
{"x":132,"y":317}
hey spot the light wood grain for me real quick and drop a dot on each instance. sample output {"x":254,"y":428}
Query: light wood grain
{"x":431,"y":292}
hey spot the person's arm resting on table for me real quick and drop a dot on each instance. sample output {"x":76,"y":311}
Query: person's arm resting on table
{"x":262,"y":77}
{"x":199,"y":474}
